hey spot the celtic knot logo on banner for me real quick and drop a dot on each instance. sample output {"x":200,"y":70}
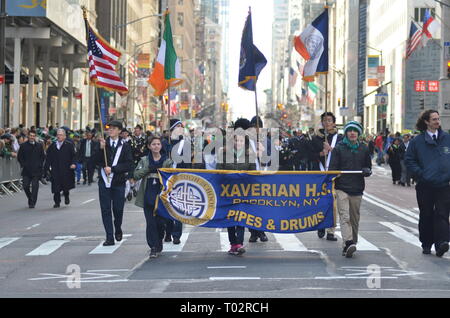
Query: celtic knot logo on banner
{"x":190,"y":199}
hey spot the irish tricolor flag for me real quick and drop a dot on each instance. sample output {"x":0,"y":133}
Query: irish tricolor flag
{"x":312,"y":45}
{"x":167,"y":71}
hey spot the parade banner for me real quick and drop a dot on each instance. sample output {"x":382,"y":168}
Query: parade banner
{"x":282,"y":202}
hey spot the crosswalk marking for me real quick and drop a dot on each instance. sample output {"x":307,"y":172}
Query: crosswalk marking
{"x":290,"y":243}
{"x":363,"y":244}
{"x":101,"y":250}
{"x":49,"y":247}
{"x":402,"y":234}
{"x":7,"y":240}
{"x":224,"y":242}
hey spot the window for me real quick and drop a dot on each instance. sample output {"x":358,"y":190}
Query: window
{"x":180,"y":18}
{"x":419,"y":13}
{"x":180,"y":2}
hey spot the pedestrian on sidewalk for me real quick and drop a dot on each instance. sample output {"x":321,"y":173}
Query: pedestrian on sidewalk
{"x":113,"y":176}
{"x":31,"y":157}
{"x":323,"y":144}
{"x":61,"y":159}
{"x":147,"y":197}
{"x":350,"y":155}
{"x":405,"y":179}
{"x":395,"y":153}
{"x":428,"y":158}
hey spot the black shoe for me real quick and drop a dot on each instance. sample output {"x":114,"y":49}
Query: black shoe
{"x":168,"y":239}
{"x":153,"y":253}
{"x":253,"y":238}
{"x":89,"y":184}
{"x":176,"y":241}
{"x":56,"y":206}
{"x":402,"y":184}
{"x":130,"y":196}
{"x":263,"y":237}
{"x":84,"y":182}
{"x":66,"y":201}
{"x":426,"y":250}
{"x":442,"y":249}
{"x":159,"y":249}
{"x":321,"y":233}
{"x":118,"y":236}
{"x":31,"y":206}
{"x":349,"y":249}
{"x":78,"y":182}
{"x":331,"y":237}
{"x":109,"y":243}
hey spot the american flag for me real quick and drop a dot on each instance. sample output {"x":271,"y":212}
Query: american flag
{"x":415,"y":37}
{"x":103,"y":60}
{"x":132,"y":67}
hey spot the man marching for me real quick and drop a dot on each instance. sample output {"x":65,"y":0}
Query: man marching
{"x":113,"y":176}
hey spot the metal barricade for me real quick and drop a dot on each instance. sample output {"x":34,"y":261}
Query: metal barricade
{"x":10,"y":176}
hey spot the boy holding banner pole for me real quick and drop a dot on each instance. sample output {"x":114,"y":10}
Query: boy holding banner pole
{"x":350,"y":155}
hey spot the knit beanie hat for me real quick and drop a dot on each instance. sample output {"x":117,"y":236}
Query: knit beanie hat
{"x":353,"y":125}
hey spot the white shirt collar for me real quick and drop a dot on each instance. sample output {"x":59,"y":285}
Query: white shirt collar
{"x":433,"y":134}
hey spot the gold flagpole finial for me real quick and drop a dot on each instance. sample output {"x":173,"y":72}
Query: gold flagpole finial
{"x":84,"y":12}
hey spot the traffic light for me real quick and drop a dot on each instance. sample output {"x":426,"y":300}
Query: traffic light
{"x":422,"y":103}
{"x":448,"y":69}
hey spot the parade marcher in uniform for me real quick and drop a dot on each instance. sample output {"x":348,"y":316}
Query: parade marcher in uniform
{"x":428,"y":158}
{"x":113,"y":176}
{"x":395,"y":153}
{"x":61,"y":158}
{"x":322,"y":150}
{"x":350,"y":155}
{"x":31,"y":157}
{"x":88,"y":151}
{"x":286,"y":157}
{"x":174,"y":229}
{"x":255,"y":234}
{"x":147,"y":171}
{"x":241,"y":152}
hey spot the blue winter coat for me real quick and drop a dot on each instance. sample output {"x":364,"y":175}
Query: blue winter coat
{"x":429,"y":160}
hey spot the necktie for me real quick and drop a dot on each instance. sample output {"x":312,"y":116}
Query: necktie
{"x":435,"y":138}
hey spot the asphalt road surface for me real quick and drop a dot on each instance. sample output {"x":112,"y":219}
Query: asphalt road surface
{"x":48,"y":252}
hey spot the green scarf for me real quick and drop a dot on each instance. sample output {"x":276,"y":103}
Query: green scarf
{"x":353,"y":147}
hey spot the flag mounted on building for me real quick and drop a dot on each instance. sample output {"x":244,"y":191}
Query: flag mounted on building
{"x":167,"y":71}
{"x":292,"y":77}
{"x":252,"y":61}
{"x":312,"y":92}
{"x":430,"y":27}
{"x":414,"y":41}
{"x":312,"y":45}
{"x":103,"y":62}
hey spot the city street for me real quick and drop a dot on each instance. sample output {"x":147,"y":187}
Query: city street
{"x":48,"y":252}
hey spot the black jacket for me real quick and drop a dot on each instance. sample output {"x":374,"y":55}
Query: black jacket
{"x":124,"y":165}
{"x":95,"y":148}
{"x":62,"y":176}
{"x":31,"y":159}
{"x":317,"y":145}
{"x":343,"y":159}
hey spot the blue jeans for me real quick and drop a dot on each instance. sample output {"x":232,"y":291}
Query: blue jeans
{"x":78,"y":171}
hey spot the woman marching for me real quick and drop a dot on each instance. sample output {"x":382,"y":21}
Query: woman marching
{"x":147,"y":171}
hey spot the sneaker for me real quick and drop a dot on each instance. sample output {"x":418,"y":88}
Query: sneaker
{"x":331,"y":237}
{"x":263,"y":237}
{"x":240,"y":249}
{"x":232,"y":250}
{"x":321,"y":233}
{"x":442,"y":249}
{"x":153,"y":253}
{"x":350,"y":250}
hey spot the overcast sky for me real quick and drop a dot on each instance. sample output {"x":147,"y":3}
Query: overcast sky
{"x":243,"y":102}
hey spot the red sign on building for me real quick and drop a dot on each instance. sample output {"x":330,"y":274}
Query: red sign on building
{"x":420,"y":86}
{"x":433,"y":86}
{"x":2,"y":79}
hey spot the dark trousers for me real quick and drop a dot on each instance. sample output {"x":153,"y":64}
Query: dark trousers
{"x":236,"y":235}
{"x":434,"y":206}
{"x":174,"y":228}
{"x":88,"y":170}
{"x":396,"y":168}
{"x":57,"y":196}
{"x":31,"y":188}
{"x":255,"y":232}
{"x":155,"y":227}
{"x":112,"y":202}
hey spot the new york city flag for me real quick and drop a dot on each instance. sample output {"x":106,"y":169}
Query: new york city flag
{"x":252,"y":61}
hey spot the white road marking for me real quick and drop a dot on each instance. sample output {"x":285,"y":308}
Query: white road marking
{"x":51,"y":246}
{"x":177,"y":248}
{"x":363,"y":244}
{"x":393,"y":211}
{"x":226,"y":267}
{"x":234,"y":278}
{"x":5,"y":241}
{"x":101,"y":250}
{"x":33,"y":226}
{"x":402,"y":234}
{"x":224,"y":242}
{"x":88,"y":201}
{"x":290,"y":243}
